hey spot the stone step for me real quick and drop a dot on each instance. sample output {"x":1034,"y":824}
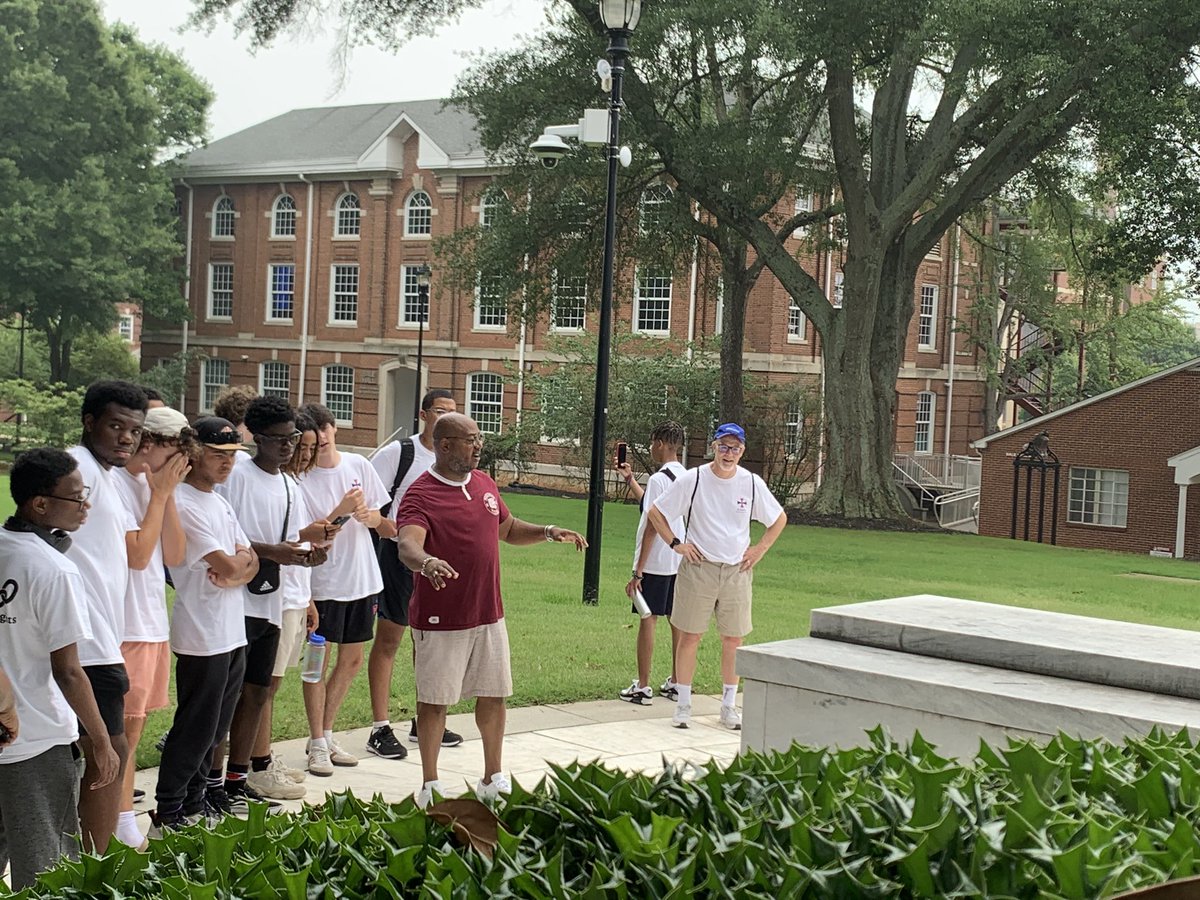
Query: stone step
{"x":825,"y":692}
{"x":1103,"y":652}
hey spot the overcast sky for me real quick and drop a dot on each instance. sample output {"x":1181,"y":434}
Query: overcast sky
{"x":298,"y":71}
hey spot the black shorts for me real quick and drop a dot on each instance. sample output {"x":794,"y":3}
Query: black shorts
{"x":659,"y":591}
{"x":110,"y":684}
{"x":397,"y":585}
{"x":262,"y":645}
{"x":347,"y":621}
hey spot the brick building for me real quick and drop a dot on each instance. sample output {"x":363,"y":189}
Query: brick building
{"x":303,"y":234}
{"x":1127,"y":458}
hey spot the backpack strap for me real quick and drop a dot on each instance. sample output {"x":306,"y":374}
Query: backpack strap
{"x":407,"y":453}
{"x":663,"y":471}
{"x":687,"y":521}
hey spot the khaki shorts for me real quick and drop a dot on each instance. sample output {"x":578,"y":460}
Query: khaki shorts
{"x":705,"y":589}
{"x":453,"y":665}
{"x":292,"y":634}
{"x":148,"y":665}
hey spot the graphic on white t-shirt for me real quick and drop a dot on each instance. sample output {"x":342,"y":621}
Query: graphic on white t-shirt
{"x":352,"y":571}
{"x":721,"y":510}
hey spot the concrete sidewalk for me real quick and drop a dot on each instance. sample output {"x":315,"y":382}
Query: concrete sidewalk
{"x":622,"y":735}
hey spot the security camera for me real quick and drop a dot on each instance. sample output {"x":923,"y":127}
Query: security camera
{"x":549,"y":148}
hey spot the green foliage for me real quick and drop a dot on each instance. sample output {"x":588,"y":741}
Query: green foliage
{"x":39,"y":416}
{"x":514,"y":446}
{"x":1068,"y":819}
{"x":85,"y":206}
{"x":786,"y":432}
{"x":101,"y":355}
{"x":169,"y":377}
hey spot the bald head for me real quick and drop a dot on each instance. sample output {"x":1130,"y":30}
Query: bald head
{"x":457,"y":445}
{"x":453,"y":425}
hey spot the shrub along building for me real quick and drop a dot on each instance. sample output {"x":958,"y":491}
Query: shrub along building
{"x":1125,"y":461}
{"x":303,"y":239}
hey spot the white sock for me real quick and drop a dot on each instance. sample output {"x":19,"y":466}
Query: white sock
{"x":375,"y":726}
{"x":328,"y":738}
{"x":728,"y":694}
{"x":318,"y":744}
{"x":685,"y":694}
{"x":127,"y":831}
{"x":433,"y":784}
{"x":670,"y":682}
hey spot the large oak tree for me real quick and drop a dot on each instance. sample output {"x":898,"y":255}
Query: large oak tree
{"x":929,"y":108}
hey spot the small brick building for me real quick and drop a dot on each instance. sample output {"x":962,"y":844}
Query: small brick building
{"x":1127,"y":458}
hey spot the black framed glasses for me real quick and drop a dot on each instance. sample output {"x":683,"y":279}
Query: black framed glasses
{"x":728,"y":449}
{"x":80,"y":500}
{"x":476,"y":439}
{"x":280,"y":439}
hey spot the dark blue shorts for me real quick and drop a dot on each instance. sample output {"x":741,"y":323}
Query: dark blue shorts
{"x":659,"y":591}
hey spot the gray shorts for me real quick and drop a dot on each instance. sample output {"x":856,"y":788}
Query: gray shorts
{"x":452,"y":665}
{"x":39,"y":822}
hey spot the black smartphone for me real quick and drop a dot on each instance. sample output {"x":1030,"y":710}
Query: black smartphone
{"x":5,"y":734}
{"x":340,"y":520}
{"x":622,"y":452}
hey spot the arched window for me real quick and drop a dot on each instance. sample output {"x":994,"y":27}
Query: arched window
{"x":418,"y":215}
{"x":490,"y":203}
{"x":654,"y":203}
{"x":349,"y":216}
{"x":283,"y":217}
{"x":223,"y":217}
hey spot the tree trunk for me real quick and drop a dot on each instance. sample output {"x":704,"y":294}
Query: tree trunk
{"x":732,"y":404}
{"x":60,"y":355}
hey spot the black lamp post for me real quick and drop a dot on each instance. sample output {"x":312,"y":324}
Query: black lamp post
{"x":620,"y":17}
{"x":423,"y":275}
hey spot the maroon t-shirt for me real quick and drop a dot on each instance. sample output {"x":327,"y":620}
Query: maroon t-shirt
{"x":462,"y":526}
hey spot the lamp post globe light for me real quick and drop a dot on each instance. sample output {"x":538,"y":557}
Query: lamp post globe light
{"x":620,"y":18}
{"x":423,"y":274}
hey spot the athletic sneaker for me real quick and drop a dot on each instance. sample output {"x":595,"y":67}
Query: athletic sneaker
{"x":217,"y":803}
{"x":274,"y":782}
{"x":339,"y":757}
{"x":683,"y":715}
{"x":319,"y":762}
{"x":240,"y":796}
{"x":668,"y":690}
{"x":138,"y":795}
{"x":499,"y":785}
{"x":160,"y":824}
{"x":425,"y":794}
{"x":382,"y":742}
{"x":639,"y":695}
{"x":449,"y":738}
{"x":296,"y":775}
{"x":731,"y":718}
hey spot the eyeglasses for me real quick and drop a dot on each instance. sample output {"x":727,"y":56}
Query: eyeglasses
{"x":729,"y":449}
{"x":280,"y":439}
{"x":476,"y":439}
{"x":85,"y":493}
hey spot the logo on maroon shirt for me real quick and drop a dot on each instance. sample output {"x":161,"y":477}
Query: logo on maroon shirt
{"x":489,"y":500}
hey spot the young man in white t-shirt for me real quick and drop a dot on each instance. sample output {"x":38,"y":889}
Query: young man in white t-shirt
{"x":43,"y":618}
{"x":113,"y":413}
{"x":346,"y":587}
{"x":717,"y":502}
{"x":208,"y":626}
{"x":399,"y":467}
{"x":654,"y":563}
{"x":147,"y":487}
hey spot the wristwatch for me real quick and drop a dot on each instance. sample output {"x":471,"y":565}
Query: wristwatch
{"x":636,"y":575}
{"x":675,"y":542}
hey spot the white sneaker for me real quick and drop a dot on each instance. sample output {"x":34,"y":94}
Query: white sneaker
{"x":339,"y":757}
{"x":319,"y":762}
{"x":731,"y":718}
{"x":639,"y":695}
{"x":683,"y":715}
{"x":296,"y":775}
{"x":426,"y":793}
{"x":492,"y":791}
{"x":273,"y":782}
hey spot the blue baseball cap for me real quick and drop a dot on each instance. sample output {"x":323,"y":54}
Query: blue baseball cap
{"x":729,"y":429}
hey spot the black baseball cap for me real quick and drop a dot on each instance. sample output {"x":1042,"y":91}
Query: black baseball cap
{"x":218,"y":433}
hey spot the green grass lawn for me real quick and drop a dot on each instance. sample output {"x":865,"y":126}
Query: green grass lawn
{"x":564,"y":651}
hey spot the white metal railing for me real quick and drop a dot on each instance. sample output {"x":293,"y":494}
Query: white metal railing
{"x":958,"y":508}
{"x":937,"y":470}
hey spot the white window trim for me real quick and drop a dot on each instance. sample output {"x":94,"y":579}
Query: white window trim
{"x":400,"y":323}
{"x":657,"y":205}
{"x":408,"y":232}
{"x":554,"y":326}
{"x":497,"y":196}
{"x":262,"y":379}
{"x":212,"y":214}
{"x":933,"y":317}
{"x":337,"y":211}
{"x":476,"y":325}
{"x":121,"y":320}
{"x":839,"y":290}
{"x":471,"y":411}
{"x":341,"y":423}
{"x":208,"y":309}
{"x":1098,"y":470}
{"x":275,"y":235}
{"x":343,"y":323}
{"x":932,"y":423}
{"x":802,"y":337}
{"x":637,"y":306}
{"x":204,"y":382}
{"x":802,"y":204}
{"x":268,"y":319}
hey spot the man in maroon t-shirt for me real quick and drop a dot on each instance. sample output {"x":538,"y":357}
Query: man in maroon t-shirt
{"x":450,"y":524}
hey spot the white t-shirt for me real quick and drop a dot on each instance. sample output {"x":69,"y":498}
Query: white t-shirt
{"x":260,"y":502}
{"x":42,"y":609}
{"x":207,"y":619}
{"x":721,"y":511}
{"x":387,"y":461}
{"x":98,"y":549}
{"x":146,"y":595}
{"x":352,"y":571}
{"x":662,"y":559}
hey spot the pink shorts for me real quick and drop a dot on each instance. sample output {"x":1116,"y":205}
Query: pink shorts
{"x":149,"y":667}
